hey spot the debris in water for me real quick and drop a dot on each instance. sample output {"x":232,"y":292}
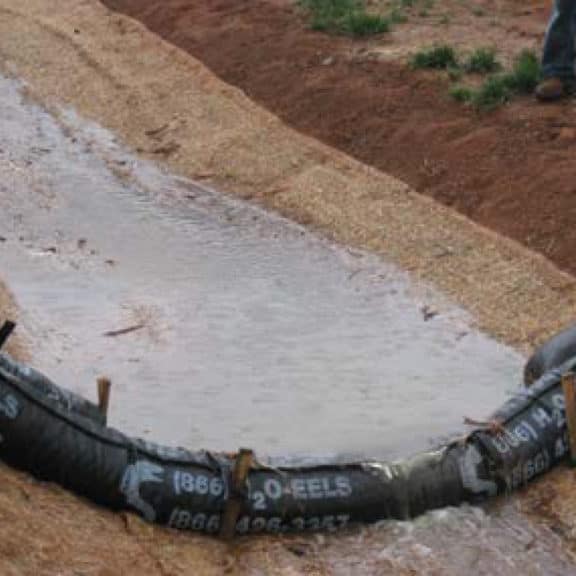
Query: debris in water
{"x":428,"y":313}
{"x":492,"y":426}
{"x":123,"y":331}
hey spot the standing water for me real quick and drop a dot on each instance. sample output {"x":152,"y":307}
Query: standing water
{"x":244,"y":329}
{"x":254,"y":332}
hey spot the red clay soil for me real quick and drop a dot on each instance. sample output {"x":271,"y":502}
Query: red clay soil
{"x":513,"y":170}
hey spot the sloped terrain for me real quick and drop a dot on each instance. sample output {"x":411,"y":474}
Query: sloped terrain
{"x":168,"y":107}
{"x":361,"y":97}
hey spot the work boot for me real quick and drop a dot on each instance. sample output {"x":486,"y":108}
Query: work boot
{"x":554,"y":88}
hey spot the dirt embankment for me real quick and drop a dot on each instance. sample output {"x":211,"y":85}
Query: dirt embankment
{"x":511,"y":170}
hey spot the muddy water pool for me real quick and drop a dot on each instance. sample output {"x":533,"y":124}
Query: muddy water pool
{"x":254,"y":332}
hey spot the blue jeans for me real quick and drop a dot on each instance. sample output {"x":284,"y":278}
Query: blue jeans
{"x":558,"y":55}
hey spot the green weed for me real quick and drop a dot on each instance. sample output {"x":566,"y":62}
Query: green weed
{"x":525,"y":73}
{"x":441,"y":57}
{"x":344,"y":17}
{"x":462,"y":94}
{"x":362,"y":24}
{"x":494,"y":92}
{"x":482,"y":61}
{"x":500,"y":88}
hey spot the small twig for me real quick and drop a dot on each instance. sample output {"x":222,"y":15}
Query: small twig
{"x":261,"y":466}
{"x":122,"y":331}
{"x":491,"y":426}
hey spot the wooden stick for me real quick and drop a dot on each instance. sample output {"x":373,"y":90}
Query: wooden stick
{"x":236,"y":498}
{"x":569,"y":388}
{"x":104,"y":385}
{"x":6,"y":331}
{"x":122,"y":331}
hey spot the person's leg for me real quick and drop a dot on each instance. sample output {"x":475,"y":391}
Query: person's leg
{"x":558,"y":53}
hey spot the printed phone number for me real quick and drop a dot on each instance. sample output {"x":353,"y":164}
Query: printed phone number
{"x":210,"y":523}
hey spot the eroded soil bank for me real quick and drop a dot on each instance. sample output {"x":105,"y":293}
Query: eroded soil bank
{"x":362,"y":98}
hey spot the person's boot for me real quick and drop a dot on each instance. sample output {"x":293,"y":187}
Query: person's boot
{"x":551,"y":89}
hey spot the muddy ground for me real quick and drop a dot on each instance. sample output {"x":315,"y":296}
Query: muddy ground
{"x":167,"y":106}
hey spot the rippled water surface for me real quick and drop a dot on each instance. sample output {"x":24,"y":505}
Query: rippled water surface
{"x":255,"y":332}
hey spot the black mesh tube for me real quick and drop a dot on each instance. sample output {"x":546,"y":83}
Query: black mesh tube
{"x":58,"y":436}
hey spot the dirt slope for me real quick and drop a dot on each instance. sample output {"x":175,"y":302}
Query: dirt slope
{"x":361,"y":98}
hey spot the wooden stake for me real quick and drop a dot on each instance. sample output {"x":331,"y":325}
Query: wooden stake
{"x":104,"y":386}
{"x":569,"y":388}
{"x":6,"y":331}
{"x":236,"y":498}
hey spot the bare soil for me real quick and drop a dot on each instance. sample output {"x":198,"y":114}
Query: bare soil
{"x":511,"y":170}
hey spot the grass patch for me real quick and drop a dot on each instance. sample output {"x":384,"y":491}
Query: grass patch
{"x":494,"y":92}
{"x":500,"y":88}
{"x":444,"y":57}
{"x":344,"y":17}
{"x":525,"y":73}
{"x":361,"y":24}
{"x":462,"y":94}
{"x":441,"y":57}
{"x":482,"y":61}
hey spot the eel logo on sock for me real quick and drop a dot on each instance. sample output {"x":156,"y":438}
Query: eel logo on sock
{"x":135,"y":475}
